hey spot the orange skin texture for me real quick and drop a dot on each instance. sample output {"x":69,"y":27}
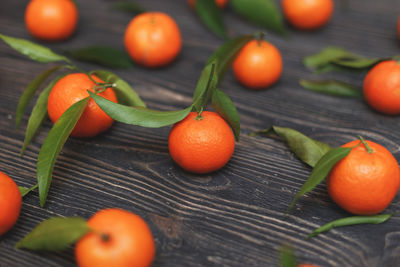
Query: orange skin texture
{"x":308,"y":14}
{"x":201,"y":146}
{"x":220,"y":3}
{"x":69,"y":90}
{"x":258,"y":65}
{"x":153,"y":39}
{"x":130,"y":241}
{"x":382,"y":87}
{"x":10,"y":203}
{"x":51,"y":20}
{"x":364,"y":183}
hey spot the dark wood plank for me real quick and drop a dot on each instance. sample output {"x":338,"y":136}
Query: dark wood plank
{"x":229,"y":218}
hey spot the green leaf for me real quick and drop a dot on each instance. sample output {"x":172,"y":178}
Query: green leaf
{"x":38,"y":114}
{"x":138,"y":115}
{"x":55,"y":234}
{"x":326,"y":56}
{"x":224,"y":106}
{"x":33,"y":51}
{"x":128,"y":6}
{"x":306,"y":149}
{"x":321,"y":170}
{"x":210,"y":15}
{"x":261,"y":12}
{"x":53,"y":144}
{"x":357,"y":63}
{"x":25,"y":190}
{"x":125,"y":93}
{"x":226,"y":53}
{"x":30,"y":92}
{"x":354,"y":220}
{"x":287,"y":257}
{"x":331,"y":87}
{"x":103,"y":55}
{"x":205,"y":86}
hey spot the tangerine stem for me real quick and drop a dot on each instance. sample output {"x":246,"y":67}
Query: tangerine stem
{"x":199,"y":117}
{"x":104,"y":237}
{"x":369,"y":150}
{"x":259,"y":37}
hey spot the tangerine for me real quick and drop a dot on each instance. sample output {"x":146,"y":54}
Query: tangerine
{"x":118,"y":238}
{"x":73,"y":88}
{"x":220,"y":3}
{"x":201,"y":144}
{"x":366,"y":180}
{"x":51,"y":20}
{"x":307,"y":14}
{"x":382,"y":87}
{"x":10,"y":203}
{"x":153,"y":39}
{"x":258,"y":64}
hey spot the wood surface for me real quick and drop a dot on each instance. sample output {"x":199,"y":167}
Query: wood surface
{"x":233,"y":217}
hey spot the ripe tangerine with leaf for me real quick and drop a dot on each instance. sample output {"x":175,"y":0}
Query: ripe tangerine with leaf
{"x":220,"y":3}
{"x":366,"y":180}
{"x":118,"y":238}
{"x":258,"y":64}
{"x":153,"y":39}
{"x":307,"y":14}
{"x":51,"y":20}
{"x":201,"y":143}
{"x":10,"y":203}
{"x":381,"y":87}
{"x":73,"y":88}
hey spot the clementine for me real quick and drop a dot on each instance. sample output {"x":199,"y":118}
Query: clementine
{"x":118,"y":238}
{"x":366,"y":180}
{"x":201,"y":144}
{"x":51,"y":20}
{"x":73,"y":88}
{"x":153,"y":39}
{"x":382,"y":87}
{"x":10,"y":203}
{"x":307,"y":14}
{"x":220,"y":3}
{"x":258,"y":64}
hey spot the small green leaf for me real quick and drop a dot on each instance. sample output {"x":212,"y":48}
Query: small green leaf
{"x":261,"y":12}
{"x":357,"y":63}
{"x":354,"y":220}
{"x":55,"y":234}
{"x":128,"y":6}
{"x":205,"y":86}
{"x":226,"y":53}
{"x":103,"y":55}
{"x":53,"y":144}
{"x":224,"y":106}
{"x":330,"y":87}
{"x":326,"y":56}
{"x":25,"y":190}
{"x":306,"y":149}
{"x":33,"y":51}
{"x":38,"y":114}
{"x":30,"y":92}
{"x":125,"y":93}
{"x":140,"y":116}
{"x":287,"y":257}
{"x":321,"y":170}
{"x":210,"y":15}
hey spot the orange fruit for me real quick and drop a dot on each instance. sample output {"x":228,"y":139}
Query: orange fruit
{"x":119,"y":238}
{"x":51,"y":20}
{"x":364,"y":183}
{"x":201,"y":145}
{"x":10,"y":203}
{"x":69,"y":90}
{"x":307,"y":14}
{"x":382,"y":87}
{"x":220,"y":3}
{"x":153,"y":39}
{"x":258,"y":64}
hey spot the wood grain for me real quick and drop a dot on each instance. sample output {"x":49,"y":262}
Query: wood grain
{"x":233,"y":217}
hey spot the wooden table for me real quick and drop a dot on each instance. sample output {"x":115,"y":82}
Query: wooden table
{"x":232,"y":217}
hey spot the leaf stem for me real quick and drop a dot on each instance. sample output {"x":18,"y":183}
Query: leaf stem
{"x":369,"y":150}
